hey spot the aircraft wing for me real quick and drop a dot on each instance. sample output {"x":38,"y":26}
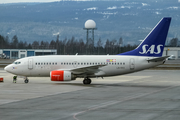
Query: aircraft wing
{"x":87,"y":70}
{"x":157,"y":59}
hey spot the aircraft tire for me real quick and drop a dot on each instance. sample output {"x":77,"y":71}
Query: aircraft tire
{"x":26,"y":81}
{"x":87,"y":81}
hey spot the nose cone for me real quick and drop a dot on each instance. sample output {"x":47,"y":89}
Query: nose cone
{"x":11,"y":69}
{"x":7,"y":68}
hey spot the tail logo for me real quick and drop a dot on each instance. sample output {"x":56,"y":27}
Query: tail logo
{"x":151,"y":49}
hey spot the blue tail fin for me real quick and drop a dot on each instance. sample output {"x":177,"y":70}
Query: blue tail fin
{"x":153,"y":44}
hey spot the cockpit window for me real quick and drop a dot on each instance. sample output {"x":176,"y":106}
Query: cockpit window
{"x":16,"y":62}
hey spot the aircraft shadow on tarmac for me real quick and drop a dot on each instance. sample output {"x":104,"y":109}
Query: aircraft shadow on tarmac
{"x":112,"y":85}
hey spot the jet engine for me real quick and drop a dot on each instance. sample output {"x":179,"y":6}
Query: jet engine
{"x":60,"y":75}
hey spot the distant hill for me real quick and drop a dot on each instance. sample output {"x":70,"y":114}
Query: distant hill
{"x":114,"y":19}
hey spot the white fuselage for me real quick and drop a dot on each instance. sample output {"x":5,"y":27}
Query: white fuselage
{"x":39,"y":66}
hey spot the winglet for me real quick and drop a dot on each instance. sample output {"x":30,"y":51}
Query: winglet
{"x":153,"y":44}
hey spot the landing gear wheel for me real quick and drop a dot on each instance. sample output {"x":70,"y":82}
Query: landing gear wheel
{"x":87,"y":81}
{"x":26,"y":81}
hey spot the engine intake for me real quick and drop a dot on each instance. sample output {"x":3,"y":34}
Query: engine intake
{"x":60,"y":75}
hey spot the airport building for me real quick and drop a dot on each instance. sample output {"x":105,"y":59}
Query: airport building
{"x":172,"y":51}
{"x":21,"y":53}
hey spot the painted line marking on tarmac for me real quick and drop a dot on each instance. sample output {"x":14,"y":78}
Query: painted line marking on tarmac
{"x":115,"y":102}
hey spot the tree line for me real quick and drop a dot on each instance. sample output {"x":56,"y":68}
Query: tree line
{"x":174,"y":42}
{"x":73,"y":46}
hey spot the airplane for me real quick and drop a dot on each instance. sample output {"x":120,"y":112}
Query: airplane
{"x":69,"y":67}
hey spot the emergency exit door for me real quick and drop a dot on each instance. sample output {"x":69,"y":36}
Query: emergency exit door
{"x":30,"y":63}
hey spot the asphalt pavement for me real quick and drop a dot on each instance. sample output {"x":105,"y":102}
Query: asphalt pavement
{"x":145,"y":95}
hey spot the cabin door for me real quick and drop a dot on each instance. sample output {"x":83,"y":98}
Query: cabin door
{"x":30,"y":63}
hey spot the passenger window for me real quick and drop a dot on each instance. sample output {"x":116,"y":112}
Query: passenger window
{"x":84,"y":63}
{"x":87,"y":63}
{"x":53,"y":63}
{"x":81,"y":63}
{"x":112,"y":63}
{"x":41,"y":63}
{"x":44,"y":63}
{"x":49,"y":63}
{"x":78,"y":63}
{"x":69,"y":63}
{"x":38,"y":63}
{"x":61,"y":63}
{"x":123,"y":63}
{"x":72,"y":63}
{"x":64,"y":63}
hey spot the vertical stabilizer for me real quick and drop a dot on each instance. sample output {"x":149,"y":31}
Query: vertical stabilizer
{"x":153,"y":44}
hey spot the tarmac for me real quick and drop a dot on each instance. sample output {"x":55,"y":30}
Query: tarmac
{"x":145,"y":95}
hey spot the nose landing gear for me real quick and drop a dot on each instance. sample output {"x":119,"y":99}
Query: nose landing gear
{"x":87,"y":81}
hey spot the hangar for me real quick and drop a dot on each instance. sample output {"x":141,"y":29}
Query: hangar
{"x":21,"y":53}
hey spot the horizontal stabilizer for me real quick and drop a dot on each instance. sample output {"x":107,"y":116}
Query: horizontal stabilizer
{"x":157,"y":59}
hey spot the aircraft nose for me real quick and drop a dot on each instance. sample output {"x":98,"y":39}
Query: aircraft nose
{"x":6,"y":68}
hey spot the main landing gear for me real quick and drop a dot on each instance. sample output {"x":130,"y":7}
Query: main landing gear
{"x":87,"y":81}
{"x":26,"y":80}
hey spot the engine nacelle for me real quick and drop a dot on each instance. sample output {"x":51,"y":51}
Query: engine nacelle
{"x":60,"y":75}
